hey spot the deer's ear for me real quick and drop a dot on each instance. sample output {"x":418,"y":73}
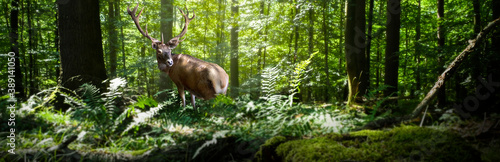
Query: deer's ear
{"x":154,"y":45}
{"x":172,"y":46}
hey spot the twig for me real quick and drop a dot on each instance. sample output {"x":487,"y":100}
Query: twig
{"x":423,"y":117}
{"x":63,"y":145}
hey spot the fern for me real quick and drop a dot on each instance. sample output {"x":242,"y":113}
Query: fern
{"x":371,"y":96}
{"x":99,"y":110}
{"x":299,"y":73}
{"x":143,"y":117}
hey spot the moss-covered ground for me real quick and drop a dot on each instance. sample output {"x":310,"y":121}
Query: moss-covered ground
{"x":405,"y":143}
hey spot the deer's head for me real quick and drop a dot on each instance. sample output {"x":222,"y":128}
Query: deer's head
{"x":163,"y":50}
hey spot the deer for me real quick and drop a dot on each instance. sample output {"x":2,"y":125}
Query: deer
{"x":201,"y":79}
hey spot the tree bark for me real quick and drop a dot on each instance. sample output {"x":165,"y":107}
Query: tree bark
{"x":234,"y":50}
{"x":31,"y":45}
{"x":341,"y":37}
{"x":496,"y":34}
{"x":310,"y":47}
{"x":14,"y":47}
{"x":418,"y":48}
{"x":166,"y":28}
{"x":392,"y":47}
{"x":327,"y":41}
{"x":81,"y":54}
{"x":369,"y":40}
{"x":296,"y":32}
{"x":122,"y":37}
{"x":441,"y":43}
{"x":355,"y":50}
{"x":112,"y":39}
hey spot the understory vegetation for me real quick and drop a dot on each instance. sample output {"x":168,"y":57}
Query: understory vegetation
{"x":115,"y":124}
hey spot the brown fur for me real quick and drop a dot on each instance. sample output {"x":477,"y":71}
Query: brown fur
{"x":202,"y":79}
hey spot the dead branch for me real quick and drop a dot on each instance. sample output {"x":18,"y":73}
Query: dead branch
{"x":441,"y":79}
{"x":453,"y":66}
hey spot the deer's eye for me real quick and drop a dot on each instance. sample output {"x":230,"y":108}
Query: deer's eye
{"x":154,"y":46}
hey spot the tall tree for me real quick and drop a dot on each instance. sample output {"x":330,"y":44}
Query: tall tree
{"x":32,"y":56}
{"x":441,"y":96}
{"x":166,"y":26}
{"x":392,"y":46}
{"x":418,"y":47}
{"x":112,"y":37}
{"x":495,"y":39}
{"x":310,"y":47}
{"x":310,"y":31}
{"x":477,"y":15}
{"x":14,"y":47}
{"x":221,"y":46}
{"x":369,"y":40}
{"x":262,"y":50}
{"x":81,"y":54}
{"x":122,"y":37}
{"x":355,"y":49}
{"x":326,"y":40}
{"x":475,"y":58}
{"x":496,"y":34}
{"x":234,"y":50}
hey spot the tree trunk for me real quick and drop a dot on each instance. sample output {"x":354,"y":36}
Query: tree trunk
{"x":81,"y":54}
{"x":310,"y":31}
{"x":441,"y":96}
{"x":122,"y":37}
{"x":14,"y":47}
{"x":112,"y":39}
{"x":418,"y":48}
{"x":326,"y":40}
{"x":166,"y":26}
{"x":392,"y":47}
{"x":234,"y":50}
{"x":259,"y":52}
{"x":221,"y":46}
{"x":290,"y":56}
{"x":310,"y":47}
{"x":495,"y":39}
{"x":296,"y":32}
{"x":475,"y":59}
{"x":31,"y":56}
{"x":355,"y":50}
{"x":341,"y":37}
{"x":369,"y":41}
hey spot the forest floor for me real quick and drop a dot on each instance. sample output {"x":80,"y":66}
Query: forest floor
{"x":116,"y":126}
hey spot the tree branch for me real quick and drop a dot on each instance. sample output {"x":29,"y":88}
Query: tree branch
{"x":452,"y":67}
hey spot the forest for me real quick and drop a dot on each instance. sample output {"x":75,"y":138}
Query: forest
{"x":250,"y":80}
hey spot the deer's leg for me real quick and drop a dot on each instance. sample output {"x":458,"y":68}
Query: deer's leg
{"x":192,"y":101}
{"x":181,"y":93}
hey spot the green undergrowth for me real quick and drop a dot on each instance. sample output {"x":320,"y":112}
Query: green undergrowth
{"x":405,"y":143}
{"x":116,"y":121}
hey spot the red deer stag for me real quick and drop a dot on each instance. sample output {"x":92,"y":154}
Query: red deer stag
{"x":202,"y":79}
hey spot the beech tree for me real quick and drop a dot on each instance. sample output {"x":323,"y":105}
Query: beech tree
{"x":81,"y":55}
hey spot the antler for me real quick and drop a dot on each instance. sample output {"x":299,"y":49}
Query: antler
{"x":136,"y":21}
{"x":175,"y":41}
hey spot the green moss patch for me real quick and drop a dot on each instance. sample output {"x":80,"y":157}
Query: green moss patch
{"x":406,"y":143}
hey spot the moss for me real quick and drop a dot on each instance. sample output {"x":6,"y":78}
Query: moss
{"x":406,"y":143}
{"x":266,"y":151}
{"x":139,"y":152}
